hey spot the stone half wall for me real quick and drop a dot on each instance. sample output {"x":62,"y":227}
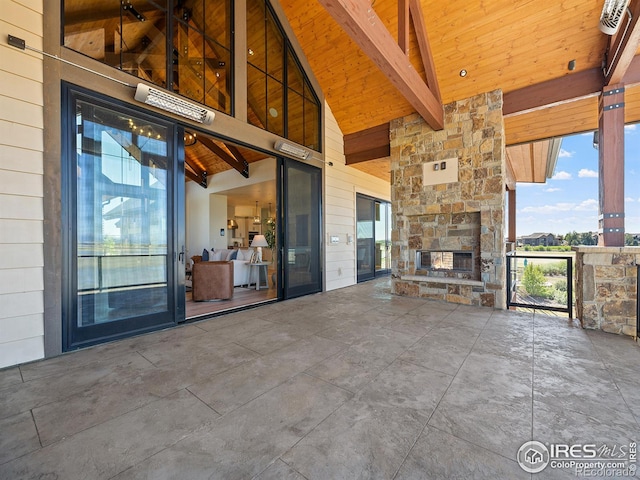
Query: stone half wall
{"x":426,"y":215}
{"x":607,"y":288}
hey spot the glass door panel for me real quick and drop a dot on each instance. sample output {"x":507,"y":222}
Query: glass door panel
{"x":122,"y":274}
{"x":302,"y":232}
{"x":383,"y":219}
{"x":365,"y":248}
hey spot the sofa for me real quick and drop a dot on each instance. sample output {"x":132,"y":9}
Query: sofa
{"x":212,"y":281}
{"x":239,"y":257}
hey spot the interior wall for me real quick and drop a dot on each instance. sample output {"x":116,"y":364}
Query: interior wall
{"x":200,"y":232}
{"x":217,"y":221}
{"x":341,"y":185}
{"x":21,"y":186}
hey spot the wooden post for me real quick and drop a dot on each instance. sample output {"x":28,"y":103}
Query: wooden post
{"x":611,"y":166}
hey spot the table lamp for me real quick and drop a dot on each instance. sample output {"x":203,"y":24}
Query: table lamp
{"x":259,"y":241}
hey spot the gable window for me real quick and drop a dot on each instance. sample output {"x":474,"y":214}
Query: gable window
{"x":279,"y":96}
{"x":184,"y":46}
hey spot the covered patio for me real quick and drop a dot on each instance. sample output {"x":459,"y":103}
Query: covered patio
{"x":351,"y":383}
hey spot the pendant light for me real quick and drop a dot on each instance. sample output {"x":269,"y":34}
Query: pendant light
{"x":256,"y":218}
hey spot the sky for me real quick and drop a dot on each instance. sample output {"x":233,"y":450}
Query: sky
{"x":569,"y":200}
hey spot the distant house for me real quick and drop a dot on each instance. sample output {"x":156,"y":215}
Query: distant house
{"x":539,"y":239}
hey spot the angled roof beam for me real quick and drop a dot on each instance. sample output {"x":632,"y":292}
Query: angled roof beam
{"x":403,"y":26}
{"x":367,"y":30}
{"x":425,"y":48}
{"x":235,"y":151}
{"x":623,"y":47}
{"x":194,"y":172}
{"x":242,"y":167}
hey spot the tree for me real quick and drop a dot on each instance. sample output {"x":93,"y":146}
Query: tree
{"x":534,"y":282}
{"x":572,"y":238}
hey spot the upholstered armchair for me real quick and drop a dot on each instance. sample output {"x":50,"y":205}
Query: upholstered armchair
{"x":212,"y":280}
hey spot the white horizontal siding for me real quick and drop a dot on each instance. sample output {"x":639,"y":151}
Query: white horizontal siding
{"x":341,"y":185}
{"x":21,"y":185}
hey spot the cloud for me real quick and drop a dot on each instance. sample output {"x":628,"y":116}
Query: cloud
{"x":589,"y":205}
{"x":561,"y":176}
{"x":586,"y":173}
{"x":551,"y":190}
{"x":630,"y":127}
{"x":629,"y":199}
{"x":524,"y":184}
{"x":565,"y":153}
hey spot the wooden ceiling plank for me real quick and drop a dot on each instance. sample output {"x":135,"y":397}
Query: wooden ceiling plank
{"x":425,"y":48}
{"x":624,"y":48}
{"x":367,"y":30}
{"x":224,"y":155}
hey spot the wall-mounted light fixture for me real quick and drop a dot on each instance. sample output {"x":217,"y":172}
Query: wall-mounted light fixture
{"x":292,"y":150}
{"x":170,"y":103}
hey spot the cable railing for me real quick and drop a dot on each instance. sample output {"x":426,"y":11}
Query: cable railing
{"x":543,"y":282}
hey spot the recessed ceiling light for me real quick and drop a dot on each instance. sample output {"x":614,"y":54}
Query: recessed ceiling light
{"x":463,"y":73}
{"x":273,"y":112}
{"x":250,"y":51}
{"x":572,"y":65}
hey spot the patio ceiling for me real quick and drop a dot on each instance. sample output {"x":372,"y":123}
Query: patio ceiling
{"x":523,"y":48}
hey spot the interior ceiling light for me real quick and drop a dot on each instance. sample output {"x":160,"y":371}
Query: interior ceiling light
{"x":611,"y":16}
{"x":170,"y":103}
{"x":292,"y":150}
{"x":463,"y":73}
{"x":572,"y":65}
{"x":189,"y":139}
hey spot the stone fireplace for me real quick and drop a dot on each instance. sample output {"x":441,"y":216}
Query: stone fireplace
{"x":448,"y":198}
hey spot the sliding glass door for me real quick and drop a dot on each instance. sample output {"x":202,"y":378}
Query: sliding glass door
{"x":301,"y":249}
{"x":373,"y":237}
{"x":122,"y":185}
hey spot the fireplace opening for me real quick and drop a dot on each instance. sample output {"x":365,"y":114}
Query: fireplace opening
{"x":444,"y":261}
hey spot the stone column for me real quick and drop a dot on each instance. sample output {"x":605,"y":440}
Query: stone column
{"x":465,"y":212}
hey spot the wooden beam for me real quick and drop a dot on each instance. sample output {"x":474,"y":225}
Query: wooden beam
{"x":369,"y":144}
{"x":367,"y":30}
{"x":403,"y":26}
{"x":235,"y":151}
{"x":611,"y":166}
{"x":425,"y":48}
{"x":224,"y":155}
{"x":623,"y":48}
{"x":570,"y":87}
{"x":193,"y":172}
